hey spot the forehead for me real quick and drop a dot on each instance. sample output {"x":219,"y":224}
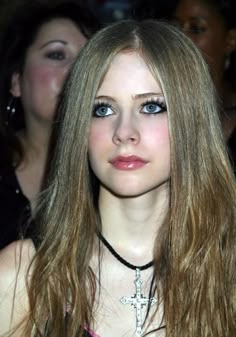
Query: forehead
{"x":128,"y":61}
{"x":196,"y":8}
{"x":129,"y":72}
{"x":59,"y":28}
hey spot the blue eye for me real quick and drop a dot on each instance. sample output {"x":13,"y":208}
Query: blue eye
{"x":153,"y":107}
{"x":102,"y":110}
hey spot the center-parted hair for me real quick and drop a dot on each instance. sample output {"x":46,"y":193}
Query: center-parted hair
{"x":194,"y":253}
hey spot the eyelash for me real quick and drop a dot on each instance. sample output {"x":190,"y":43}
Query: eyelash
{"x":51,"y":55}
{"x":99,"y":105}
{"x":160,"y":104}
{"x":195,"y":29}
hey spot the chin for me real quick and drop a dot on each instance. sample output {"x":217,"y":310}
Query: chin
{"x":129,"y":192}
{"x":137,"y":189}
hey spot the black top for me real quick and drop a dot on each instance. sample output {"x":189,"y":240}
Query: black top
{"x":15,"y":209}
{"x":15,"y":212}
{"x":67,"y":317}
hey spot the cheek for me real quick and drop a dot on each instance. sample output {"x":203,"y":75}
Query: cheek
{"x":158,"y":135}
{"x":98,"y":140}
{"x":44,"y":79}
{"x":202,"y":42}
{"x":211,"y":44}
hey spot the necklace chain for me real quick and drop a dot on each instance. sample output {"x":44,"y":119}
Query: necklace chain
{"x":119,"y":258}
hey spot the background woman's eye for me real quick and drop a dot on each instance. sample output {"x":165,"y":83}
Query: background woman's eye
{"x":102,"y":110}
{"x":56,"y":55}
{"x":195,"y":29}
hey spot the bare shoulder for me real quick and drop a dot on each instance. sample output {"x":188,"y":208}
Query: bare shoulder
{"x":15,"y":260}
{"x":16,"y":252}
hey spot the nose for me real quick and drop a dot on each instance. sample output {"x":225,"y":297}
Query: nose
{"x":126,"y":131}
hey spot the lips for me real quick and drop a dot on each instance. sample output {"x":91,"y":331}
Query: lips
{"x":127,"y":163}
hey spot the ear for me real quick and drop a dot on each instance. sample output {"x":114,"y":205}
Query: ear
{"x":15,"y":85}
{"x":231,"y":41}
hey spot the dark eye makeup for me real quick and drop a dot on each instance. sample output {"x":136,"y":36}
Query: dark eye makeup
{"x":153,"y":106}
{"x":57,"y":55}
{"x":149,"y":107}
{"x":102,"y":109}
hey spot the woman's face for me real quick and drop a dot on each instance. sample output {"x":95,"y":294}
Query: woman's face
{"x":207,"y":29}
{"x":47,"y":63}
{"x":129,"y":148}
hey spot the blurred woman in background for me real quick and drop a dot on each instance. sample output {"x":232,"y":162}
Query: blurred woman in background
{"x":38,"y":47}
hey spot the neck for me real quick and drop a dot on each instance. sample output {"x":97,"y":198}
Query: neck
{"x":30,"y":172}
{"x":35,"y":142}
{"x":133,"y":222}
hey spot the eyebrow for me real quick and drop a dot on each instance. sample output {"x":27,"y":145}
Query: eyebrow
{"x":148,"y":94}
{"x":53,"y":41}
{"x":138,"y":96}
{"x":196,"y":17}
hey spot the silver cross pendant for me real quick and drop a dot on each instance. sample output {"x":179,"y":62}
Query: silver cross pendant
{"x":138,"y":301}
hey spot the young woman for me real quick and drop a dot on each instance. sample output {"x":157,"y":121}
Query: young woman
{"x":38,"y":48}
{"x":137,"y":219}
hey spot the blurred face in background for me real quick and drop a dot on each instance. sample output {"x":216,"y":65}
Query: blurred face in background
{"x":47,"y":63}
{"x":206,"y":27}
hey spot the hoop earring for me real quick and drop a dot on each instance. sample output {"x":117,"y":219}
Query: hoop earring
{"x":11,"y":109}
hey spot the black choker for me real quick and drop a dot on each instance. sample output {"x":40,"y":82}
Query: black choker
{"x":119,"y":258}
{"x":138,"y":301}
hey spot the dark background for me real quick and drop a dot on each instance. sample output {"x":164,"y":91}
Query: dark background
{"x":106,"y":10}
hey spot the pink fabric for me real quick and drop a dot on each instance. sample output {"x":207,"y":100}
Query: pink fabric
{"x":92,"y":333}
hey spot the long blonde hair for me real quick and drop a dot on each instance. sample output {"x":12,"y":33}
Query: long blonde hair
{"x":195,"y":250}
